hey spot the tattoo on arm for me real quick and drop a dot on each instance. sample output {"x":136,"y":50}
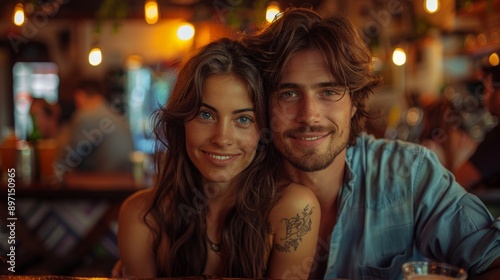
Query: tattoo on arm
{"x":296,"y":228}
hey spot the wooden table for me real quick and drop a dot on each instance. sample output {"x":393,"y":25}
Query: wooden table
{"x":111,"y":188}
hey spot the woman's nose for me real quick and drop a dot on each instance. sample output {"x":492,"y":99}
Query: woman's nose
{"x":223,"y":134}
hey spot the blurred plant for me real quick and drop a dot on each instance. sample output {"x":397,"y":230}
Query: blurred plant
{"x":245,"y":14}
{"x":116,"y":10}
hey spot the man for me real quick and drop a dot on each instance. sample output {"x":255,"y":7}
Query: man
{"x":383,"y":202}
{"x":99,"y":138}
{"x":483,"y":167}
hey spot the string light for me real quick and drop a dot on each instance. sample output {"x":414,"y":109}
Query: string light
{"x":18,"y":17}
{"x":399,"y":57}
{"x":431,"y":6}
{"x":185,"y":32}
{"x":272,"y":10}
{"x":493,"y":59}
{"x":151,"y":11}
{"x":95,"y":56}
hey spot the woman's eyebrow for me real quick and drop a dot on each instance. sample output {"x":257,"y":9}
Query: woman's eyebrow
{"x":234,"y":112}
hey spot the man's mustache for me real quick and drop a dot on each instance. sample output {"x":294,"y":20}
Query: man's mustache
{"x":309,"y":129}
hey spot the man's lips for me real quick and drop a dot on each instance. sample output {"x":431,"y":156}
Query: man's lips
{"x":308,"y":137}
{"x":309,"y":140}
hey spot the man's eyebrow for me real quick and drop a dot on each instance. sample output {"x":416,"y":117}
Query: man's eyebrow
{"x":318,"y":85}
{"x":234,"y":112}
{"x":288,"y":85}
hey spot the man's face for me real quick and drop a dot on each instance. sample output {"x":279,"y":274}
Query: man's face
{"x":310,"y":113}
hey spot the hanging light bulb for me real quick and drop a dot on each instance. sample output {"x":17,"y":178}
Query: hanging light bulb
{"x":399,"y":57}
{"x":18,"y":17}
{"x":272,"y":10}
{"x":493,"y":59}
{"x":151,"y":11}
{"x":185,"y":31}
{"x":431,"y":6}
{"x":95,"y":56}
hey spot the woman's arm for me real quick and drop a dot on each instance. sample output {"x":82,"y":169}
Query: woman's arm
{"x":135,"y":239}
{"x":295,"y":221}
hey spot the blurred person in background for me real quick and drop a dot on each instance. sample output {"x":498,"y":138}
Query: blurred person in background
{"x":45,"y":118}
{"x":99,"y":138}
{"x":442,"y":132}
{"x":483,"y":167}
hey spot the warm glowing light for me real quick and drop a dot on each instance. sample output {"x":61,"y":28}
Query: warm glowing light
{"x":493,"y":59}
{"x":18,"y":17}
{"x":399,"y":57}
{"x":272,"y":10}
{"x":95,"y":56}
{"x":431,"y":6}
{"x":134,"y":61}
{"x":151,"y":11}
{"x":470,"y":42}
{"x":377,"y":64}
{"x":481,"y":39}
{"x":185,"y":31}
{"x":413,"y":116}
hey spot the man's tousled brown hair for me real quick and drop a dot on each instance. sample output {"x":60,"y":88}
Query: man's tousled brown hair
{"x":345,"y":52}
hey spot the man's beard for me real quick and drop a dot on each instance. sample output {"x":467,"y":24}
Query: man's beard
{"x":310,"y":159}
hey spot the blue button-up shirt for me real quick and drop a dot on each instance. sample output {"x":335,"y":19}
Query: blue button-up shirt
{"x":397,"y":204}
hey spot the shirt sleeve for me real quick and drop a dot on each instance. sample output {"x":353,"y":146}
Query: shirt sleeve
{"x":452,"y":225}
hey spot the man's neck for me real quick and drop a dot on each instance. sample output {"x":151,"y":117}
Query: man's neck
{"x":326,"y":186}
{"x":325,"y":183}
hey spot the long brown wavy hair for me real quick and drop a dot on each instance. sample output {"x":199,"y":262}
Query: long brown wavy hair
{"x":345,"y":52}
{"x":179,"y":205}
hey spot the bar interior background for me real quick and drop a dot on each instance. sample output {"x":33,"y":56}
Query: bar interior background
{"x":423,"y":48}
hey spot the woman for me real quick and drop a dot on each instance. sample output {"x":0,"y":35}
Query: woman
{"x":220,"y":207}
{"x":443,"y":133}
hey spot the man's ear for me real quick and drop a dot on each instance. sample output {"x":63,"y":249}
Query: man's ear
{"x":353,"y":111}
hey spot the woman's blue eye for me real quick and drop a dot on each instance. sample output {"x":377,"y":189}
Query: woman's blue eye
{"x":205,"y":115}
{"x":244,"y":120}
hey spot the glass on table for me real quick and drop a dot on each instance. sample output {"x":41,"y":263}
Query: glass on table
{"x":432,"y":271}
{"x":46,"y":157}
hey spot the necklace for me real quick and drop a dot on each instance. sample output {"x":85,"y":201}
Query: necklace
{"x":213,"y":246}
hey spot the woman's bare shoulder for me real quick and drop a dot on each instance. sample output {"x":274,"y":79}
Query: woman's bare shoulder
{"x":138,"y":202}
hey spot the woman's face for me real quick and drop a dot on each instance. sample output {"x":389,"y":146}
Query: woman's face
{"x":222,"y":139}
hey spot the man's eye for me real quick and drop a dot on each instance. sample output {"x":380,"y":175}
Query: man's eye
{"x":287,"y":94}
{"x":335,"y":94}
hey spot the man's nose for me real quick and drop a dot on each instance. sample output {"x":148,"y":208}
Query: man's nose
{"x":223,"y":134}
{"x":308,"y":110}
